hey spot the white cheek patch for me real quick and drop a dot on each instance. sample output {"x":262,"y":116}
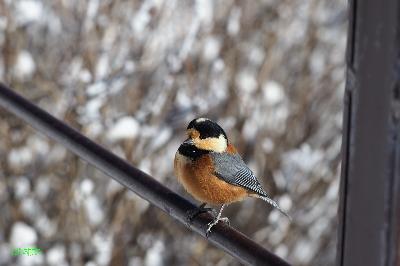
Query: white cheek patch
{"x":212,"y":144}
{"x":221,"y":144}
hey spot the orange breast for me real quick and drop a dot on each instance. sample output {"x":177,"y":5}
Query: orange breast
{"x":198,"y":179}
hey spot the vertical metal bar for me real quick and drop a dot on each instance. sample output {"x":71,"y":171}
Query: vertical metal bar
{"x":369,"y":212}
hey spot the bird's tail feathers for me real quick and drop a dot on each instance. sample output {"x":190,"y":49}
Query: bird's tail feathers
{"x":273,"y":204}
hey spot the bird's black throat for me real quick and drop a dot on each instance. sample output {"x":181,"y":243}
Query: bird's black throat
{"x":191,"y":151}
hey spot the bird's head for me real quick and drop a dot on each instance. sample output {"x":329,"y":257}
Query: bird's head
{"x":205,"y":134}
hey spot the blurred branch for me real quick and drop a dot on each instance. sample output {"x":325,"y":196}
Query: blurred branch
{"x":223,"y":236}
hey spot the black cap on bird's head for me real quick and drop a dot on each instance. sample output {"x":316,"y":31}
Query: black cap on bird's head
{"x":207,"y":135}
{"x":206,"y":128}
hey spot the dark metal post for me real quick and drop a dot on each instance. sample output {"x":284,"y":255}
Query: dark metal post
{"x":369,"y":213}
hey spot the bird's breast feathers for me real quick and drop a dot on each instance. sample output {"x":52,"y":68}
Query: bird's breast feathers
{"x":198,"y":178}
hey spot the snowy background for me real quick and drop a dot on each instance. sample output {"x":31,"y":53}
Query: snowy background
{"x":131,"y":75}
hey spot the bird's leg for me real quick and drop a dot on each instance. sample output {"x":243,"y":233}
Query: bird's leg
{"x":191,"y":214}
{"x":216,"y":220}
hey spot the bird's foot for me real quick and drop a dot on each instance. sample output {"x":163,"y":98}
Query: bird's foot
{"x":214,"y":222}
{"x":191,"y":214}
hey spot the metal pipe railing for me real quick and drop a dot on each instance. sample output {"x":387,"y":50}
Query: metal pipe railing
{"x":225,"y":237}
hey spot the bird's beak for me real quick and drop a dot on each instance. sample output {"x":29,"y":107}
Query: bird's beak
{"x":188,"y":142}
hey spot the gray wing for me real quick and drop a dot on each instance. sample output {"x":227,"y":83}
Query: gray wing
{"x":233,"y":170}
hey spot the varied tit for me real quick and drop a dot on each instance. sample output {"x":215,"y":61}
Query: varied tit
{"x":212,"y":171}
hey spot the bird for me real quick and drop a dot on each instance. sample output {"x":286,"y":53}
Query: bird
{"x":213,"y":172}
